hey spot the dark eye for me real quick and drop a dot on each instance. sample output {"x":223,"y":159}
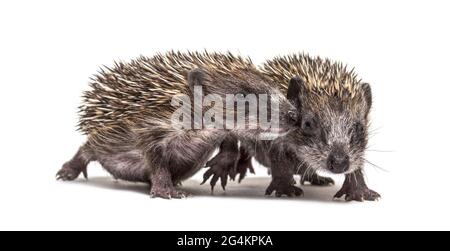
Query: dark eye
{"x":309,"y":127}
{"x":358,"y":128}
{"x":293,"y":116}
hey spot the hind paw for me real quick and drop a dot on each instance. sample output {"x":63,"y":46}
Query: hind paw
{"x":67,"y":173}
{"x":168,"y":193}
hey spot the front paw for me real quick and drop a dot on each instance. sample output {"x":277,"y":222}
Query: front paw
{"x":283,"y":187}
{"x":220,"y":167}
{"x":358,"y":194}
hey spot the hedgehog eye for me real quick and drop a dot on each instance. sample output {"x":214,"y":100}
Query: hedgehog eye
{"x":358,"y":128}
{"x":309,"y":127}
{"x":293,"y":116}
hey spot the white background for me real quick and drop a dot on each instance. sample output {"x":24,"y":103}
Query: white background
{"x":49,"y":49}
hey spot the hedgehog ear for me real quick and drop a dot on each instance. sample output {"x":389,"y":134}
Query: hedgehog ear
{"x":367,"y":92}
{"x":295,"y":88}
{"x":196,"y":77}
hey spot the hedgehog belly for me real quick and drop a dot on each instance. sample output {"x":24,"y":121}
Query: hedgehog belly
{"x":132,"y":166}
{"x":185,"y":152}
{"x":129,"y":166}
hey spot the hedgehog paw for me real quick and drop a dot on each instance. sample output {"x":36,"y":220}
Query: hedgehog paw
{"x":358,"y":194}
{"x":68,"y":173}
{"x":283,"y":187}
{"x":355,"y":188}
{"x":222,"y":166}
{"x":168,"y":193}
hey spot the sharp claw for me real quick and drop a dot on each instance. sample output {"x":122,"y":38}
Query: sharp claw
{"x":339,"y":194}
{"x":207,"y":174}
{"x":224,"y":181}
{"x":269,"y":190}
{"x":252,"y":170}
{"x":233,"y":173}
{"x":214,"y":180}
{"x":85,"y":174}
{"x":241,"y":178}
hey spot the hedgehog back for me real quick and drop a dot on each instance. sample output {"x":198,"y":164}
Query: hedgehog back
{"x":129,"y":93}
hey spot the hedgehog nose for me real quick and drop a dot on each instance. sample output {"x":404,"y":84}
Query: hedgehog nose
{"x":338,"y":162}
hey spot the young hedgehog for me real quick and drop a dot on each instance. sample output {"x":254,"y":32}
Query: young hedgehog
{"x":127,"y":117}
{"x":332,"y":130}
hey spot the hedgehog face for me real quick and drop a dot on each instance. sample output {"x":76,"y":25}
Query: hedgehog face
{"x":332,"y":131}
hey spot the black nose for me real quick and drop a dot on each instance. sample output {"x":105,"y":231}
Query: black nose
{"x":338,"y":162}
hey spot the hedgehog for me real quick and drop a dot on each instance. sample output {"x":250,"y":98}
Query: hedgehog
{"x":332,"y":132}
{"x":127,"y":117}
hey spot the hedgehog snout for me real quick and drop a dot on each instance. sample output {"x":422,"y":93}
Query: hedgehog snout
{"x":338,"y":161}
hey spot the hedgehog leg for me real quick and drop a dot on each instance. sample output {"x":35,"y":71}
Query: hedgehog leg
{"x":78,"y":164}
{"x":283,"y":182}
{"x":162,"y":185}
{"x":355,"y":189}
{"x":177,"y":157}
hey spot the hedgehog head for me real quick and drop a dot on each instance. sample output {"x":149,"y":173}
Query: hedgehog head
{"x":332,"y":125}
